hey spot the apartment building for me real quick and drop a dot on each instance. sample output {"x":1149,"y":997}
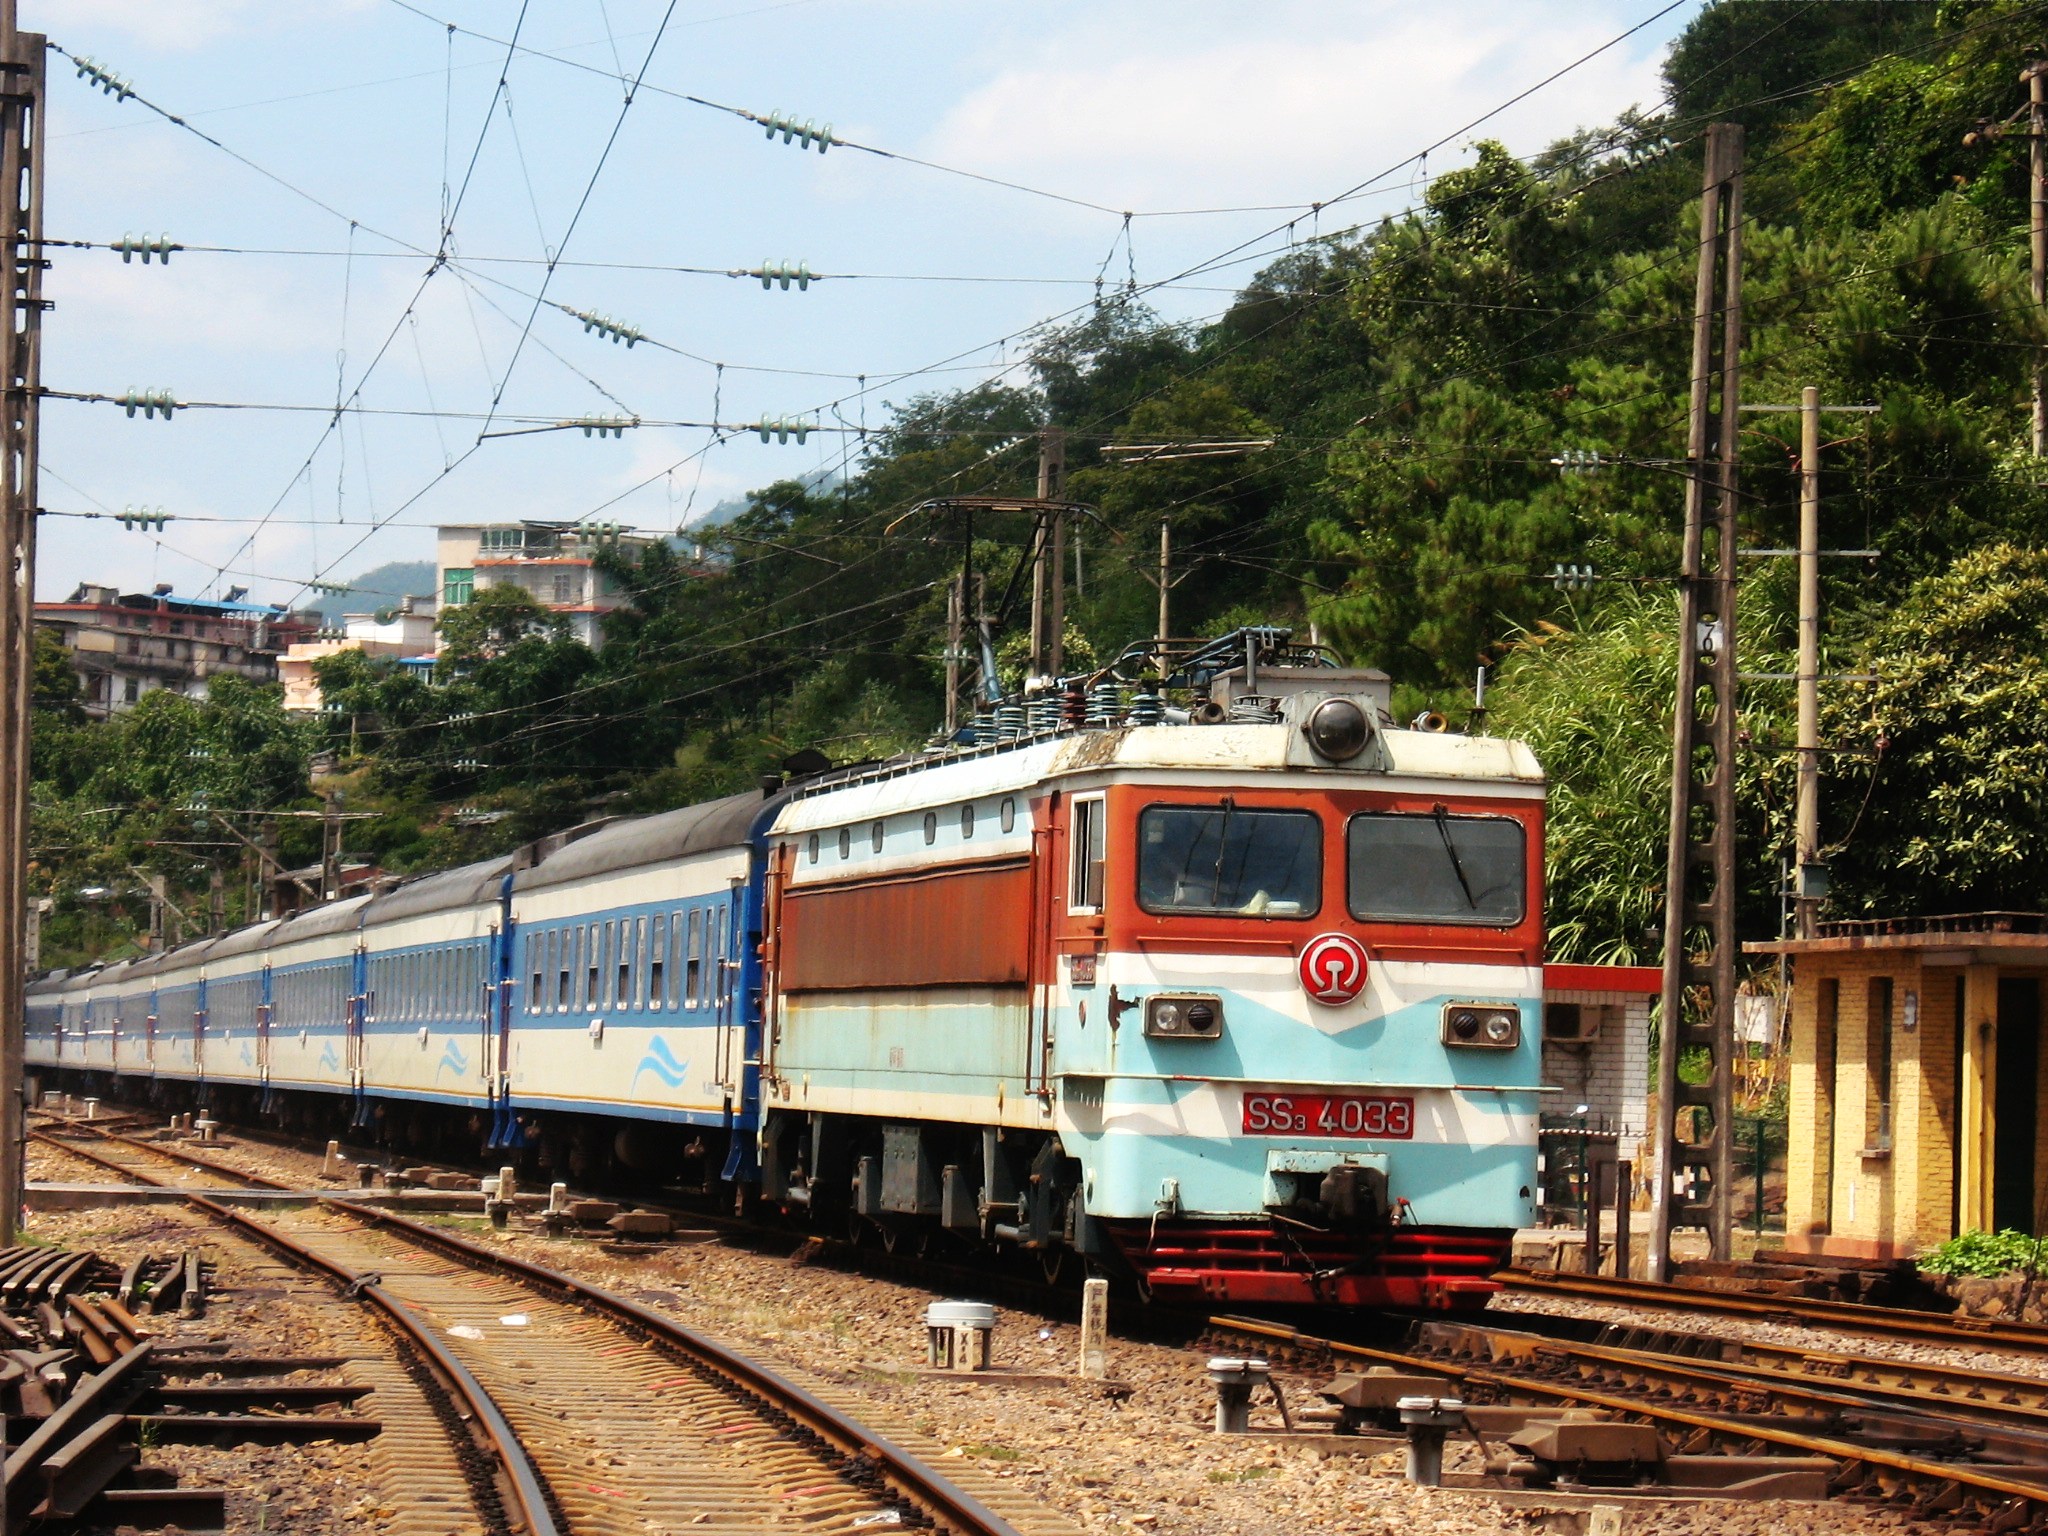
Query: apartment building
{"x":125,"y":645}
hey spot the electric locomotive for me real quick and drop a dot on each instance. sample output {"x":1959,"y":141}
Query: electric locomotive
{"x":1235,"y":986}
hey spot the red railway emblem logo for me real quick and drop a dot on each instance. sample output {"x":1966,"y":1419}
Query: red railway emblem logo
{"x":1332,"y":968}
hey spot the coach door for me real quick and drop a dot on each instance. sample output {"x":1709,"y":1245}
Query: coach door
{"x":725,"y":940}
{"x":199,"y":1029}
{"x":494,"y":1044}
{"x":264,"y":1009}
{"x":359,"y":1003}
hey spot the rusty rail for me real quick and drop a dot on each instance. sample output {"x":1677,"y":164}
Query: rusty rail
{"x":1850,"y":1316}
{"x":1933,"y":1487}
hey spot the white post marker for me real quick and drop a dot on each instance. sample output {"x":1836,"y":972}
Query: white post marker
{"x":1095,"y":1330}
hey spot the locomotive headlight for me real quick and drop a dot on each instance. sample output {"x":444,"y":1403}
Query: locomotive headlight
{"x":1184,"y":1016}
{"x":1337,"y":729}
{"x":1477,"y":1024}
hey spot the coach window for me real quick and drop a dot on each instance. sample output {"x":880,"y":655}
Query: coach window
{"x":642,"y":955}
{"x":537,"y":967}
{"x":846,"y":842}
{"x":967,"y":821}
{"x":622,"y":962}
{"x":1084,"y":892}
{"x":693,"y":984}
{"x":561,"y":945}
{"x":931,"y":827}
{"x":1009,"y":814}
{"x":590,"y":958}
{"x":1436,"y":868}
{"x":675,"y":962}
{"x":721,"y":978}
{"x":875,"y":836}
{"x":657,"y":961}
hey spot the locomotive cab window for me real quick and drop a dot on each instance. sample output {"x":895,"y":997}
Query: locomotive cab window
{"x":1085,"y":848}
{"x":1226,"y":860}
{"x":1436,"y":868}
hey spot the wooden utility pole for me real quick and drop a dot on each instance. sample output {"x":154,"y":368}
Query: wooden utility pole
{"x":2035,"y":77}
{"x":1809,"y":875}
{"x":21,"y":184}
{"x":1052,"y":485}
{"x":1700,"y":877}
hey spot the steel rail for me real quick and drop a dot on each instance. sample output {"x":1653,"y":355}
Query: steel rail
{"x":937,"y":1496}
{"x":1851,"y":1316}
{"x":1945,"y":1484}
{"x":2019,"y":1431}
{"x":534,"y":1504}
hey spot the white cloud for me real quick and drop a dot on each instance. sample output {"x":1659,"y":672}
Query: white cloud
{"x":1296,"y":113}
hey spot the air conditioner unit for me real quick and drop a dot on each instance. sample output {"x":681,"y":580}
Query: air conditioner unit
{"x":1570,"y":1024}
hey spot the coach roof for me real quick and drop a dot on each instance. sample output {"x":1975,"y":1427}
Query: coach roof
{"x":318,"y":922}
{"x":634,"y":842}
{"x":471,"y":885}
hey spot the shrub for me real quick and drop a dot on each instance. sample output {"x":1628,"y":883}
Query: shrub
{"x":1984,"y":1254}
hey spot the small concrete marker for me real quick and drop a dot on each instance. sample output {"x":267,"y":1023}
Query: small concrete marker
{"x":1095,"y":1330}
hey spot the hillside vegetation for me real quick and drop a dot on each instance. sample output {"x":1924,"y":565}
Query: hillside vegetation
{"x":1417,"y":378}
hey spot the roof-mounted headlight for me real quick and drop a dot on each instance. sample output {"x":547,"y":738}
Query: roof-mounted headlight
{"x":1337,"y":729}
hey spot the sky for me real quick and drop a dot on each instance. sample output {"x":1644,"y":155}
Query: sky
{"x":358,"y":138}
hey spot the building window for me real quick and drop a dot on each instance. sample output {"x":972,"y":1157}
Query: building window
{"x":457,"y":587}
{"x":565,"y":588}
{"x":131,"y":689}
{"x":1877,"y":1043}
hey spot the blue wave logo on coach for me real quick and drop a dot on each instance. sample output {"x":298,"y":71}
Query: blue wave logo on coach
{"x":330,"y":1059}
{"x":661,"y":1061}
{"x":248,"y":1055}
{"x":453,"y":1060}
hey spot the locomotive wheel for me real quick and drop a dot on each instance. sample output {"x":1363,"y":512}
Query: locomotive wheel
{"x":1052,"y":1262}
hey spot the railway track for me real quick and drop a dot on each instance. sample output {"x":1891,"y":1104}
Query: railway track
{"x":1698,"y":1408}
{"x":1966,"y":1333}
{"x":599,"y":1414}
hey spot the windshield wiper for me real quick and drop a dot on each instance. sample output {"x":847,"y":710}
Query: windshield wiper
{"x":1222,"y":848}
{"x":1443,"y":830}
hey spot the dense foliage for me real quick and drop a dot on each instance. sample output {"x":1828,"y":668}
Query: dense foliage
{"x":1417,"y":380}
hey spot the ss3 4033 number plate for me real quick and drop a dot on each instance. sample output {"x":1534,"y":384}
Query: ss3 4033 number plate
{"x":1329,"y":1114}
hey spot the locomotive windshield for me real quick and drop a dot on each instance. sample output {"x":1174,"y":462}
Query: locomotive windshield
{"x":1436,"y":868}
{"x":1224,"y":859}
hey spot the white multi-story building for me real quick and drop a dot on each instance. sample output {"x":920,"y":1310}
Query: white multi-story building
{"x":405,"y":630}
{"x":553,"y":563}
